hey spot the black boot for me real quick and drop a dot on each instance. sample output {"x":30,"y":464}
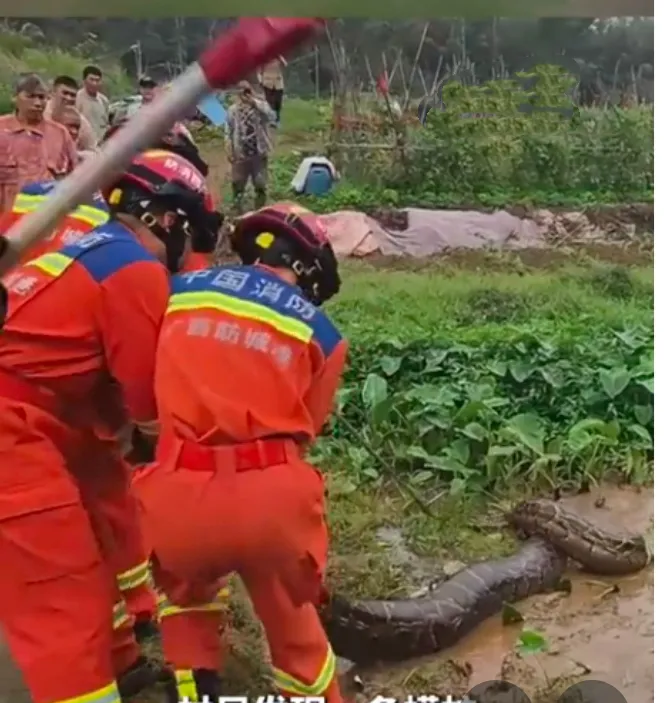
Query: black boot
{"x":146,"y":631}
{"x":143,"y":673}
{"x":260,"y":198}
{"x":208,"y":683}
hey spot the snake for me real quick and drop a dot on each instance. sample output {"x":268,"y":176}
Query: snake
{"x":371,"y":631}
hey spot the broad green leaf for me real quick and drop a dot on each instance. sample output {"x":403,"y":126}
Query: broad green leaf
{"x":390,"y":364}
{"x":475,"y":431}
{"x":629,"y":339}
{"x":643,"y":414}
{"x":457,"y":486}
{"x":521,"y":370}
{"x":416,"y":452}
{"x":374,"y":390}
{"x":420,"y":477}
{"x":470,"y":411}
{"x":532,"y":642}
{"x":589,"y":425}
{"x":499,"y":368}
{"x":460,"y":451}
{"x":614,"y":381}
{"x":502,"y":450}
{"x":648,"y":384}
{"x":435,"y":360}
{"x":380,"y":412}
{"x":641,"y":432}
{"x":553,"y":376}
{"x":527,"y":429}
{"x":450,"y":465}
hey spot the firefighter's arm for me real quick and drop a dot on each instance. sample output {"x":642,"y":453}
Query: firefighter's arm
{"x":320,"y":397}
{"x":134,"y":301}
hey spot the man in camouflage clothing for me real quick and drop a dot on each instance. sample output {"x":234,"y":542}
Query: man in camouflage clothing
{"x":248,"y":145}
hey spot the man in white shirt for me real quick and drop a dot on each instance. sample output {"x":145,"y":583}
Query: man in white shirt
{"x":92,"y":103}
{"x":63,"y":97}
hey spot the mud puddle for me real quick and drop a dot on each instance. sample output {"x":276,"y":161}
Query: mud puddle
{"x":602,"y":630}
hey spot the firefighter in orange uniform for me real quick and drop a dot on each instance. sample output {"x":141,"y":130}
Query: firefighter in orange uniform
{"x":82,"y":328}
{"x":73,"y":226}
{"x":103,"y":478}
{"x":231,"y":489}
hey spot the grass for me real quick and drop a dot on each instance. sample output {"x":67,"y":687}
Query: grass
{"x":470,"y":307}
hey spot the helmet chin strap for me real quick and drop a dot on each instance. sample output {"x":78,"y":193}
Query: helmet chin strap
{"x":173,"y":243}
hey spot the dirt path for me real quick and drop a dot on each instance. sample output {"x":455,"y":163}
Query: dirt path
{"x":602,"y":630}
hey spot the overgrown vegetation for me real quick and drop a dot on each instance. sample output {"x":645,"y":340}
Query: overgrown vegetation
{"x":20,"y":53}
{"x":502,"y":158}
{"x":479,"y":382}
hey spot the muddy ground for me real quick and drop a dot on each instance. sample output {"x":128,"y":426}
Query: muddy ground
{"x":478,"y":260}
{"x":602,"y":630}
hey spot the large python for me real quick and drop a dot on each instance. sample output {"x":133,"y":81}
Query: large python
{"x":369,"y":631}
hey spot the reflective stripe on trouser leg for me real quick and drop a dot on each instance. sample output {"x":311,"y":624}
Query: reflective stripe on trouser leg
{"x":167,"y":609}
{"x":190,"y":633}
{"x":108,"y":694}
{"x":290,"y":685}
{"x":133,"y":578}
{"x":137,"y":588}
{"x":121,"y":616}
{"x":186,"y":685}
{"x":124,"y":647}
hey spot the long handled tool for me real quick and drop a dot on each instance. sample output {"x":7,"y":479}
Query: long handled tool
{"x":251,"y":43}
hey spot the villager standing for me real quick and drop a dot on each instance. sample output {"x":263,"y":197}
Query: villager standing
{"x":32,"y":147}
{"x":92,"y":103}
{"x":63,"y":96}
{"x":248,"y":145}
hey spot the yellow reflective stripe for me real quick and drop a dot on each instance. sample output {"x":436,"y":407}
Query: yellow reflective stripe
{"x":285,"y":682}
{"x":89,"y":214}
{"x":242,"y":308}
{"x":166,"y":609}
{"x":121,"y":616}
{"x":27,"y":203}
{"x":108,"y":694}
{"x":132,"y":578}
{"x":53,"y":264}
{"x":186,"y":684}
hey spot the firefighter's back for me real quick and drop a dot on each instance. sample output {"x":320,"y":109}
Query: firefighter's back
{"x":237,"y":356}
{"x":53,"y":335}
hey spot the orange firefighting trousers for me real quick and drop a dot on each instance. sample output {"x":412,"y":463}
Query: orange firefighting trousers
{"x":104,"y":479}
{"x":256,"y":509}
{"x":56,"y":594}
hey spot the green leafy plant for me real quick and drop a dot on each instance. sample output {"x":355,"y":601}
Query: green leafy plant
{"x":477,"y":417}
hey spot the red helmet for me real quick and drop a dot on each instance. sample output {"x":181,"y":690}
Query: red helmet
{"x":289,"y":236}
{"x":175,"y":140}
{"x":158,"y":181}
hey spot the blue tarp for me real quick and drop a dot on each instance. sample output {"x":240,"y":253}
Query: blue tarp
{"x":212,"y":108}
